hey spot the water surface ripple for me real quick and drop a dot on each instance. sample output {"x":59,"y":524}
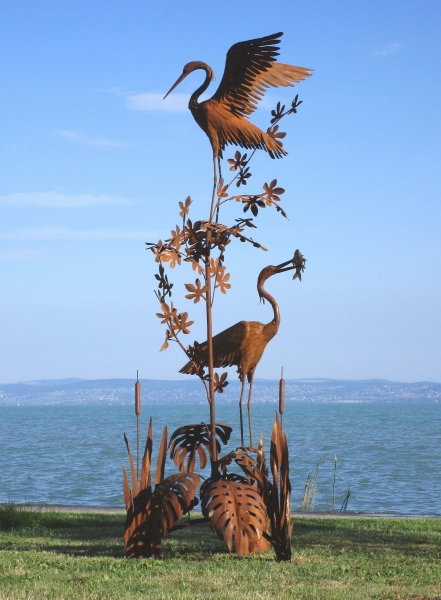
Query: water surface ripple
{"x":389,"y":453}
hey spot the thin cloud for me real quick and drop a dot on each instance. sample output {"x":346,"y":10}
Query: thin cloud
{"x":57,"y":200}
{"x":60,"y":233}
{"x":19,"y":255}
{"x":176,"y":102}
{"x":87,"y":141}
{"x":389,"y":49}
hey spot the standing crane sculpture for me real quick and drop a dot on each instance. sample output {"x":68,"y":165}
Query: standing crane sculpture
{"x":250,"y":69}
{"x":243,"y":344}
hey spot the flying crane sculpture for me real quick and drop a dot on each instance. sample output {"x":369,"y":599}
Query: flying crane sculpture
{"x":250,"y":69}
{"x":243,"y":344}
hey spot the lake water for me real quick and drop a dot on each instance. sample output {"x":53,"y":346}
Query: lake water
{"x":389,"y":453}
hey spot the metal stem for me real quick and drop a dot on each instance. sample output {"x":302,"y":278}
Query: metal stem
{"x":210,"y":354}
{"x":137,"y":448}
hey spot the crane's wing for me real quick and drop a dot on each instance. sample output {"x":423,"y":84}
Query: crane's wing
{"x":250,"y":69}
{"x":227,"y":347}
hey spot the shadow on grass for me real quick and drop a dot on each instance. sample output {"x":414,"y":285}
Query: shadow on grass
{"x":95,"y":535}
{"x":101,"y":535}
{"x":412,"y":537}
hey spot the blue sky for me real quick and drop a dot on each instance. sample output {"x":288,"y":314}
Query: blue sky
{"x":94,"y":164}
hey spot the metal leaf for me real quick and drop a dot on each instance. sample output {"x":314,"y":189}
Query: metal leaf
{"x":162,"y":454}
{"x":279,"y":494}
{"x":146,"y":481}
{"x":237,"y":514}
{"x":152,"y":514}
{"x":127,"y":492}
{"x":252,"y":470}
{"x":155,"y":513}
{"x":194,"y":440}
{"x":135,"y":488}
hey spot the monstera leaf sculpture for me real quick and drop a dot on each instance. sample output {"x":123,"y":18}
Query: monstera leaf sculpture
{"x":153,"y":513}
{"x":237,"y":514}
{"x":194,"y":440}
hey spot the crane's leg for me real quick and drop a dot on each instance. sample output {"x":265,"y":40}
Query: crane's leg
{"x":213,"y":195}
{"x":215,"y":171}
{"x":250,"y":392}
{"x":220,"y":177}
{"x":240,"y":412}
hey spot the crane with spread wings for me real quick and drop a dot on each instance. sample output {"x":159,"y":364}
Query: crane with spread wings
{"x":251,"y":68}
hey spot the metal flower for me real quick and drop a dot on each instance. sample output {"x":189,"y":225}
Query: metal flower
{"x":277,"y":114}
{"x":253,"y":202}
{"x":185,"y":207}
{"x":274,"y":133}
{"x":243,"y":176}
{"x":222,"y":279}
{"x":294,"y":105}
{"x":239,"y":161}
{"x":272,"y":192}
{"x":220,"y":382}
{"x":196,"y":291}
{"x":181,"y":324}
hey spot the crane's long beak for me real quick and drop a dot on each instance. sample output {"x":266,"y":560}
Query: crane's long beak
{"x":181,"y":78}
{"x":284,"y":266}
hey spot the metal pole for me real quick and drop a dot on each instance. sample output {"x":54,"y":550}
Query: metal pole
{"x":137,"y":413}
{"x":210,"y":354}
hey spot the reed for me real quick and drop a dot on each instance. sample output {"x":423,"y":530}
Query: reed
{"x":333,"y":483}
{"x":310,"y":489}
{"x":344,"y":506}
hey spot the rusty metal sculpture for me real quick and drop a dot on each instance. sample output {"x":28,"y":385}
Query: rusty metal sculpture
{"x":153,"y":513}
{"x":248,"y":510}
{"x":243,"y":344}
{"x":194,"y":440}
{"x":250,"y":69}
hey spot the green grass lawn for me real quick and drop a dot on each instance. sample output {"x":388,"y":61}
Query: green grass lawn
{"x":80,"y":555}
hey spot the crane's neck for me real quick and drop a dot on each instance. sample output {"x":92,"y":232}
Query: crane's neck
{"x":272,"y":326}
{"x":209,"y":75}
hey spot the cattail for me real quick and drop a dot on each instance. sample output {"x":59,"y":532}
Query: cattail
{"x":282,"y":394}
{"x":137,"y":396}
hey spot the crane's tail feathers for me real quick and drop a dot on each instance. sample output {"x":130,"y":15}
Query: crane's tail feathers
{"x":247,"y":135}
{"x":188,"y":369}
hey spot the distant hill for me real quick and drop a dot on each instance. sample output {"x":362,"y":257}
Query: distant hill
{"x":121,"y":391}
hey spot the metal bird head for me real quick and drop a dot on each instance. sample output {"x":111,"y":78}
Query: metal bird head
{"x":189,"y":68}
{"x":297,"y":263}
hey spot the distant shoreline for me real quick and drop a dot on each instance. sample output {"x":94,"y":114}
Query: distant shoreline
{"x":189,"y":391}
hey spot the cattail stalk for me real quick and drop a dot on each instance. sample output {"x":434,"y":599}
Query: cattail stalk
{"x":137,"y":413}
{"x":333,"y":484}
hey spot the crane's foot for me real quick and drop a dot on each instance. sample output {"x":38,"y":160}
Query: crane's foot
{"x":246,"y":449}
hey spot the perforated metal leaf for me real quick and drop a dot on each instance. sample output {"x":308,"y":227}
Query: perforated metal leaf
{"x":251,"y":468}
{"x":192,"y":441}
{"x":237,"y":514}
{"x":154,"y":513}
